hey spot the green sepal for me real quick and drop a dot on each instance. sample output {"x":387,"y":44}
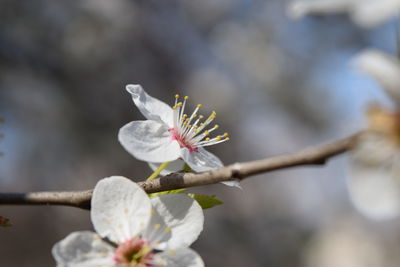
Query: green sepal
{"x":176,"y":191}
{"x":186,"y":168}
{"x":206,"y":201}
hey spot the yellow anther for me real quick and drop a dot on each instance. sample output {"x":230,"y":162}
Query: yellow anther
{"x":157,"y":226}
{"x":213,"y":115}
{"x":196,"y":126}
{"x":176,"y":96}
{"x":208,"y":139}
{"x":218,"y":138}
{"x":226,"y":134}
{"x":227,"y":139}
{"x":206,"y":132}
{"x":174,"y":107}
{"x":172,"y":252}
{"x":179,"y":104}
{"x":152,"y":212}
{"x":201,"y":116}
{"x":216,"y":126}
{"x":186,"y":97}
{"x":167,"y":230}
{"x":194,"y":115}
{"x":199,"y":105}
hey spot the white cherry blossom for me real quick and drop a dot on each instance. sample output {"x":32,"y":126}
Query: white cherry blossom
{"x":133,"y":230}
{"x":374,"y":177}
{"x":169,"y":134}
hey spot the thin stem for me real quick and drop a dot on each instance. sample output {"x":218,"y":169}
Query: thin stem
{"x":311,"y":156}
{"x":157,"y":172}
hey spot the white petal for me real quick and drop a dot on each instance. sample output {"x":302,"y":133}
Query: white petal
{"x":151,"y":108}
{"x":383,"y":68}
{"x":157,"y":232}
{"x":149,"y":141}
{"x":234,"y":183}
{"x":374,"y":178}
{"x":369,"y":13}
{"x":183,"y":257}
{"x":201,"y":160}
{"x":375,"y":191}
{"x":120,"y":208}
{"x":83,"y":249}
{"x":183,"y":215}
{"x":174,"y":166}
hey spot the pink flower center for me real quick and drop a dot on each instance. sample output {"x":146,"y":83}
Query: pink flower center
{"x":182,"y":142}
{"x":134,"y":252}
{"x":190,"y":130}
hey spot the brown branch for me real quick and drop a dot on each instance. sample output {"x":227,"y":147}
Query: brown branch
{"x":81,"y":199}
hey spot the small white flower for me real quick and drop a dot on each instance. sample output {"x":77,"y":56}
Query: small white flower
{"x":169,"y":134}
{"x":140,"y":231}
{"x":366,"y":13}
{"x":374,"y":180}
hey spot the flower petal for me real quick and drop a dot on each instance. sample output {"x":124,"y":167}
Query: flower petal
{"x":373,"y":183}
{"x":183,"y":215}
{"x":375,"y":191}
{"x":383,"y":68}
{"x":157,"y":232}
{"x":174,"y":166}
{"x":151,"y":108}
{"x":120,"y":208}
{"x":149,"y":141}
{"x":183,"y":257}
{"x":83,"y":249}
{"x":201,"y":160}
{"x":373,"y":13}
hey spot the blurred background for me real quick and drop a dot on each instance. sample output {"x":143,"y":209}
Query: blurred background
{"x":277,"y":86}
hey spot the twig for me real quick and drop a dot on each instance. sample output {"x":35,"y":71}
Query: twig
{"x":81,"y":199}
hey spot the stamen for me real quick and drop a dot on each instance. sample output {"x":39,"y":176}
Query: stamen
{"x":176,"y":99}
{"x":183,"y":105}
{"x":190,"y":131}
{"x":194,"y":114}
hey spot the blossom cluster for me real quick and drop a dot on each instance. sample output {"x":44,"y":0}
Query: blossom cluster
{"x":133,"y":230}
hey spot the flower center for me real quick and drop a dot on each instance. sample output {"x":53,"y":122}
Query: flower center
{"x":134,"y":252}
{"x":384,"y":122}
{"x":190,"y":131}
